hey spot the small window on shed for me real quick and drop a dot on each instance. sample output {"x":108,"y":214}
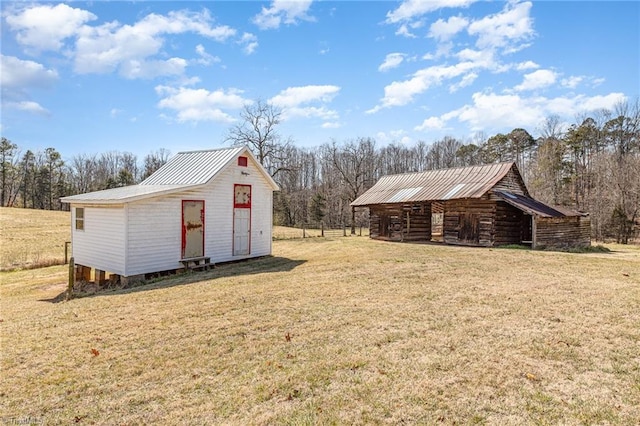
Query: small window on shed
{"x":80,"y":218}
{"x":242,"y":161}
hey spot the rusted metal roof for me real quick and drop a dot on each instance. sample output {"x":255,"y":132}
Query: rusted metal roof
{"x":435,"y":185}
{"x":534,"y":207}
{"x":185,"y":171}
{"x":193,"y":168}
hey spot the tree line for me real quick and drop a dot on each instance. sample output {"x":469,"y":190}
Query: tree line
{"x":592,"y":165}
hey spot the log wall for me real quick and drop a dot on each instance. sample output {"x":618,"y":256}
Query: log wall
{"x":511,"y":182}
{"x":406,"y":222}
{"x":469,"y":222}
{"x":562,"y":232}
{"x":511,"y":225}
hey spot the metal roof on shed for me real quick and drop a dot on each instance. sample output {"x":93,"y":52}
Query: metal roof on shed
{"x":193,"y":168}
{"x":535,"y":207}
{"x":125,"y":194}
{"x":435,"y":185}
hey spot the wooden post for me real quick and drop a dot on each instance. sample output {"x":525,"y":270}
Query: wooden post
{"x":100,"y":277}
{"x":353,"y":221}
{"x":361,"y":230}
{"x":304,"y":234}
{"x":72,"y":278}
{"x":344,"y":230}
{"x":322,"y":228}
{"x":66,"y":252}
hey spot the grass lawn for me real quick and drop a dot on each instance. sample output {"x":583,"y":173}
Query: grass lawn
{"x":334,"y":331}
{"x":32,"y":238}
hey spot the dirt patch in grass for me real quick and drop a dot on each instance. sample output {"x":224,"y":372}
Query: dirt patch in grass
{"x":357,"y":332}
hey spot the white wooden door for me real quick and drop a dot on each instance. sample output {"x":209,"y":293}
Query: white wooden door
{"x":241,"y":231}
{"x":192,"y":229}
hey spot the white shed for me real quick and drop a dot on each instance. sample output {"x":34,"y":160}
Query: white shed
{"x":215,"y":204}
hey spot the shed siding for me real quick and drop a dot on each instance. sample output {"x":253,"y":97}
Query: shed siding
{"x":155,"y":225}
{"x":563,"y":232}
{"x":219,"y":211}
{"x":101,"y":244}
{"x":154,"y":236}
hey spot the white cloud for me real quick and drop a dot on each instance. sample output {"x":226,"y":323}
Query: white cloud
{"x":18,"y":77}
{"x":152,"y":68}
{"x":404,"y":31}
{"x":435,"y":123}
{"x":249,"y":43}
{"x":28,"y":106}
{"x":130,"y":48}
{"x":400,"y":93}
{"x":200,"y":104}
{"x":322,"y":112}
{"x":537,"y":80}
{"x":295,"y":101}
{"x":135,"y":51}
{"x":295,"y":96}
{"x":393,"y":136}
{"x":20,"y":74}
{"x":494,"y":112}
{"x":505,"y":29}
{"x":115,"y":112}
{"x":445,"y":30}
{"x":527,"y":65}
{"x":466,"y":80}
{"x":392,"y":60}
{"x":283,"y":12}
{"x":572,"y":82}
{"x":46,"y":27}
{"x":331,"y":125}
{"x":205,"y":58}
{"x":411,"y":9}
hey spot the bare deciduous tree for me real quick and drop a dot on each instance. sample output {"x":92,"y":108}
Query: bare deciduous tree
{"x":258,"y":129}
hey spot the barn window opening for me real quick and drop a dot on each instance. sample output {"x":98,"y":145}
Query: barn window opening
{"x":242,"y":161}
{"x":80,"y":218}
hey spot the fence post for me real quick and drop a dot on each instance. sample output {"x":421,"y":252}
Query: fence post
{"x":361,"y":230}
{"x":304,"y":234}
{"x":322,"y":228}
{"x":344,"y":230}
{"x":72,"y":278}
{"x":66,"y":252}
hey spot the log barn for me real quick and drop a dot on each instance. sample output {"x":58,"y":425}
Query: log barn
{"x":200,"y":208}
{"x":487,"y":205}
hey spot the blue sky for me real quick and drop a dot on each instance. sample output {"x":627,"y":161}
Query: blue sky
{"x":91,"y":77}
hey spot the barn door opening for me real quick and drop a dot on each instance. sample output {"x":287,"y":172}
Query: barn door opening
{"x":469,"y":231}
{"x":192,"y":228}
{"x":437,"y":221}
{"x":242,"y":220}
{"x":527,"y":229}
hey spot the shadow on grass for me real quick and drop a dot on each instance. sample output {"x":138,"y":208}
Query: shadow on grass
{"x":263,"y":265}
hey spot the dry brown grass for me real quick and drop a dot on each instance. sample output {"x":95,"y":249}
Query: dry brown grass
{"x":32,"y":238}
{"x":335,"y":331}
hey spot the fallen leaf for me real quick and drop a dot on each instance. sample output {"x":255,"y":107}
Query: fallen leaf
{"x":95,"y":352}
